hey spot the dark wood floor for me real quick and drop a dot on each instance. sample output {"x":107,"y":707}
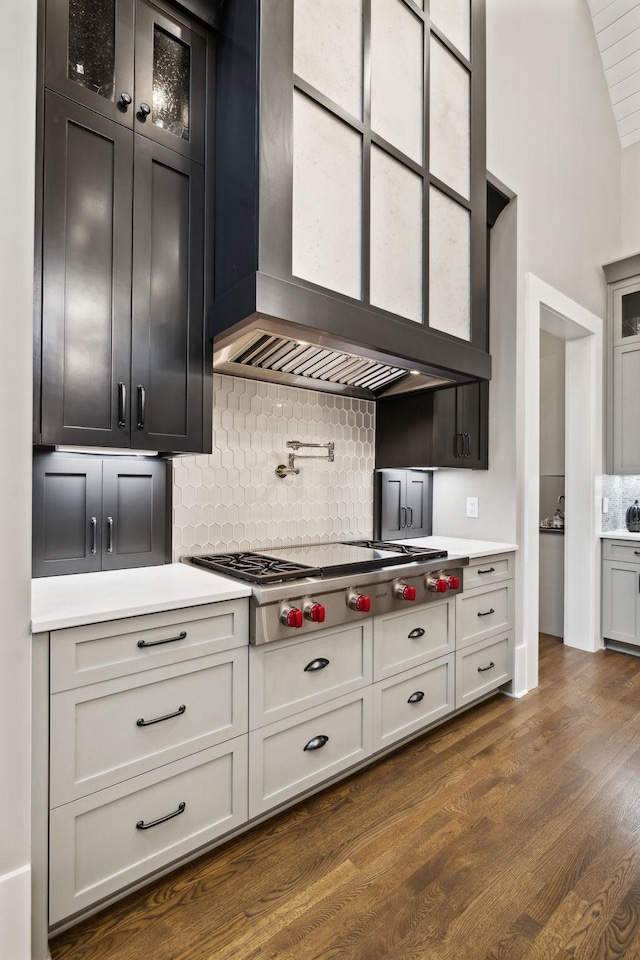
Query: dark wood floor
{"x":510,"y":833}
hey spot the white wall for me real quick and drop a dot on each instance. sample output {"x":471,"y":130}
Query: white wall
{"x":630,"y":200}
{"x":17,"y":79}
{"x":552,"y":139}
{"x":551,"y":405}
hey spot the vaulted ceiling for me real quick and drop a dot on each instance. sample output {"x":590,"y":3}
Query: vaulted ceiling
{"x":617,"y":27}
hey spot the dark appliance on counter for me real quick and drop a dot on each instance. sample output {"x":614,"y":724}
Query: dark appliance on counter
{"x":632,"y":518}
{"x":316,"y":586}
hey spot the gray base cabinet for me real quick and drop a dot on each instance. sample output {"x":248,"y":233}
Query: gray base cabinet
{"x":621,"y":592}
{"x":91,"y":513}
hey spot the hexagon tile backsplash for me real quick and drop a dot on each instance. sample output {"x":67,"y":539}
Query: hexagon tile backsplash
{"x":233,"y":500}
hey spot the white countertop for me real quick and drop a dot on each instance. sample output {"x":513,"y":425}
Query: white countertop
{"x":619,"y":535}
{"x":457,"y":547}
{"x":80,"y":598}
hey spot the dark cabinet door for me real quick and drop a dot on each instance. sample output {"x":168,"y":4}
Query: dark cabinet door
{"x":89,"y":54}
{"x":168,"y":322}
{"x":86,"y":323}
{"x":460,"y":425}
{"x":133,"y":513}
{"x":67,"y":499}
{"x":170,"y":65}
{"x":418,"y":503}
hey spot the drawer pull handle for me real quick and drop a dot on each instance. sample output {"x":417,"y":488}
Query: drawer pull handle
{"x":147,"y":723}
{"x":318,"y":664}
{"x":156,"y":643}
{"x":637,"y":553}
{"x":415,"y":633}
{"x":316,"y":742}
{"x":490,"y":667}
{"x":490,"y":570}
{"x":141,"y":825}
{"x":487,"y":613}
{"x":416,"y":697}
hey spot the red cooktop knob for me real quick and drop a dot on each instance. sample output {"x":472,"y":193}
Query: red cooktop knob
{"x":454,"y":583}
{"x":403,"y":591}
{"x":358,"y":601}
{"x":438,"y":585}
{"x":291,"y":617}
{"x":315,"y":612}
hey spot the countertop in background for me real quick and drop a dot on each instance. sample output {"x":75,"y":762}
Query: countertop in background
{"x":457,"y":547}
{"x":619,"y":535}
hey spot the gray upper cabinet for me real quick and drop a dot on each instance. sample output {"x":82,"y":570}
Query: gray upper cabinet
{"x":123,"y":344}
{"x":365,"y":217}
{"x":403,"y":504}
{"x":623,"y":366}
{"x":460,"y":423}
{"x":92,"y":514}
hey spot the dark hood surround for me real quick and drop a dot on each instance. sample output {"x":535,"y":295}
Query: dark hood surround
{"x":256,"y":294}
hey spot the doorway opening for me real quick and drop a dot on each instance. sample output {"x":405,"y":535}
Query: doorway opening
{"x":549,"y":310}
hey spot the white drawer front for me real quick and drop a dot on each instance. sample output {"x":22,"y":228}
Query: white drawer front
{"x":404,"y":640}
{"x":279,"y":765}
{"x":96,"y":740}
{"x":482,"y":613}
{"x":488,"y":570}
{"x":293,"y":675}
{"x":117,"y":648}
{"x":418,"y":697}
{"x":627,"y":550}
{"x":96,"y":848}
{"x":482,"y":668}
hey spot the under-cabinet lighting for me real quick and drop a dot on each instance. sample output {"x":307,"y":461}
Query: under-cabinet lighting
{"x":108,"y":451}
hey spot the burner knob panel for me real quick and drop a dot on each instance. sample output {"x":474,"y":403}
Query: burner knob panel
{"x":358,"y":601}
{"x":437,"y":585}
{"x":291,"y":616}
{"x":403,"y":591}
{"x":315,"y":612}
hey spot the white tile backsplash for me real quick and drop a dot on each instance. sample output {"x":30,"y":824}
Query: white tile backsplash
{"x":620,"y":491}
{"x":233,"y":500}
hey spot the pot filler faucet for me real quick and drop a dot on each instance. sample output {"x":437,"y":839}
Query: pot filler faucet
{"x":285,"y":470}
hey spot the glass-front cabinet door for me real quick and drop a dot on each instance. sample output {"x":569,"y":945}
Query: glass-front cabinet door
{"x":90,"y":54}
{"x":170,"y":63}
{"x":626,"y":313}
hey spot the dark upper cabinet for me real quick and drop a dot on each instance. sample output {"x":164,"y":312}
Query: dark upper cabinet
{"x":403,"y":504}
{"x":351,"y":188}
{"x":123,"y":353}
{"x":460,"y":425}
{"x":91,"y":514}
{"x":442,"y":428}
{"x":133,"y":62}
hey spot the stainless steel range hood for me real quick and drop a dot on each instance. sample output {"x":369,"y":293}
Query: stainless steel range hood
{"x":281,"y":352}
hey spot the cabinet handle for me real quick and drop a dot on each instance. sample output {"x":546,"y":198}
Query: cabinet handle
{"x":147,"y":723}
{"x":316,"y":742}
{"x":467,"y":442}
{"x":416,"y":697}
{"x":156,"y":643}
{"x":459,"y":445}
{"x":142,"y":404}
{"x":490,"y":570}
{"x":637,"y":553}
{"x":141,"y":825}
{"x":318,"y":664}
{"x":109,"y":534}
{"x":415,"y":633}
{"x":403,"y":512}
{"x":143,"y":112}
{"x":124,"y":101}
{"x":410,"y":513}
{"x":122,"y":405}
{"x":490,"y":667}
{"x":94,"y":535}
{"x":487,"y":613}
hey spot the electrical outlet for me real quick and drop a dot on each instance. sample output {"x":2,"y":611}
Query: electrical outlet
{"x":605,"y":505}
{"x":472,"y":506}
